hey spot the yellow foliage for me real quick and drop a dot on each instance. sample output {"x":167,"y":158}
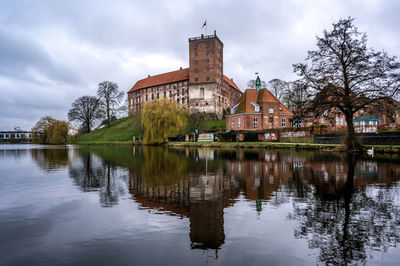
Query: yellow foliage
{"x":161,"y":119}
{"x":50,"y":131}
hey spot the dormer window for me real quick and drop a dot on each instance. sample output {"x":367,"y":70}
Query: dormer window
{"x":234,"y":109}
{"x":255,"y":107}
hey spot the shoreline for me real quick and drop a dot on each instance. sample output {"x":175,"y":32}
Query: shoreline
{"x":255,"y":145}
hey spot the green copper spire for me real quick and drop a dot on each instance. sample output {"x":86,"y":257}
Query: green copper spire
{"x":258,"y":83}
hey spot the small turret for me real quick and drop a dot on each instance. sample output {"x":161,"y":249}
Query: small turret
{"x":258,"y":83}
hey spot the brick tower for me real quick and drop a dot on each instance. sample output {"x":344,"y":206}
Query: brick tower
{"x":206,"y":74}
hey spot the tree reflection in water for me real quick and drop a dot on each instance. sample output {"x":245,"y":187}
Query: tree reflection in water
{"x":346,"y":210}
{"x":91,"y":173}
{"x":343,"y":219}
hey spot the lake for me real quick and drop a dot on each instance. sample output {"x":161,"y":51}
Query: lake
{"x":123,"y":205}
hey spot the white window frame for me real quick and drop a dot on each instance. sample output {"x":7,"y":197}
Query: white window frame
{"x":233,"y":123}
{"x":238,"y":122}
{"x":255,"y":122}
{"x":283,"y":122}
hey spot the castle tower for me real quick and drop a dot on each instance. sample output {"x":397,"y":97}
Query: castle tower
{"x":205,"y":74}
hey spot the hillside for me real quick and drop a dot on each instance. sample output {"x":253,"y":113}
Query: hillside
{"x":122,"y":130}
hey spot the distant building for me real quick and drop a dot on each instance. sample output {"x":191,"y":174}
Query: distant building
{"x":366,"y":123}
{"x":203,"y":87}
{"x":15,"y":136}
{"x":382,"y":113}
{"x":258,"y":109}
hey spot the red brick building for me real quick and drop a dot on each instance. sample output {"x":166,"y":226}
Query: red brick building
{"x":202,"y":87}
{"x":258,"y":110}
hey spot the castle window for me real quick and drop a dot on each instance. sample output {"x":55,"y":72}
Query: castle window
{"x":170,"y":94}
{"x":177,"y":92}
{"x":201,"y":93}
{"x":207,"y":52}
{"x":207,"y":69}
{"x":208,"y":60}
{"x":206,"y":44}
{"x":177,"y":100}
{"x":152,"y":96}
{"x":255,"y":122}
{"x":183,"y":91}
{"x":183,"y":99}
{"x":165,"y":94}
{"x":233,"y":123}
{"x":208,"y":78}
{"x":158,"y":95}
{"x":283,"y":122}
{"x":196,"y":79}
{"x":196,"y":70}
{"x":196,"y":45}
{"x":147,"y":98}
{"x":195,"y":53}
{"x":196,"y":62}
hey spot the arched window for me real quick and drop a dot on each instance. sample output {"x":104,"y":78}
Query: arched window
{"x":201,"y":93}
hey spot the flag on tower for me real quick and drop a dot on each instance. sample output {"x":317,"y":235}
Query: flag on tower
{"x":205,"y":23}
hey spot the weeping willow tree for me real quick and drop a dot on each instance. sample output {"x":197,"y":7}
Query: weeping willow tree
{"x":161,"y":119}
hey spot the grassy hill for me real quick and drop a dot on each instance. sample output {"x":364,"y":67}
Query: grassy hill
{"x":123,"y":129}
{"x":120,"y":130}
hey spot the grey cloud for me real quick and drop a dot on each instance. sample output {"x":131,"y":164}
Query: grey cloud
{"x":110,"y":40}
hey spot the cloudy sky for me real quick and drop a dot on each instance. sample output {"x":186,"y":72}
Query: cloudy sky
{"x":52,"y":52}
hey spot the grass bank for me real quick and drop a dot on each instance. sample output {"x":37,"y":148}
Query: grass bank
{"x":119,"y":132}
{"x":122,"y":130}
{"x":280,"y":145}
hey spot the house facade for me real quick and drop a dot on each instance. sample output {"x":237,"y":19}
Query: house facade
{"x":258,"y":109}
{"x":203,"y":87}
{"x":366,"y":120}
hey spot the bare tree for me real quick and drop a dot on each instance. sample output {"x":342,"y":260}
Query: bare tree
{"x":251,"y":84}
{"x":86,"y":110}
{"x":296,"y":97}
{"x":344,"y":74}
{"x":279,"y":88}
{"x":111,"y":98}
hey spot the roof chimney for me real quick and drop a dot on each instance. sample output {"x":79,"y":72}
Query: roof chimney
{"x":180,"y":68}
{"x":215,"y":33}
{"x":232,"y":79}
{"x":202,"y":36}
{"x":148,"y":76}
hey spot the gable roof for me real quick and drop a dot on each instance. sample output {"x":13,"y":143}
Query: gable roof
{"x":170,"y":77}
{"x":231,"y":83}
{"x":252,"y":96}
{"x":248,"y":97}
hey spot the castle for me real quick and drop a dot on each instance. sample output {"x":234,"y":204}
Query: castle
{"x":203,"y":87}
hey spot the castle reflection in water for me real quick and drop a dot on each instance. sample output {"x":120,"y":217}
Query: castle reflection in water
{"x":199,"y":184}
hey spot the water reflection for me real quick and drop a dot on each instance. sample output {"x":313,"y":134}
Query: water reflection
{"x":345,"y":207}
{"x":342,"y":218}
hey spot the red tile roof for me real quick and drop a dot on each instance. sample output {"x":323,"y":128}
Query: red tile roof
{"x":248,"y":97}
{"x":170,"y":77}
{"x":165,"y":78}
{"x":264,"y":95}
{"x":230,"y":82}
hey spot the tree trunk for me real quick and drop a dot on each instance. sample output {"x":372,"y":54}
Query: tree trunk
{"x":352,"y":144}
